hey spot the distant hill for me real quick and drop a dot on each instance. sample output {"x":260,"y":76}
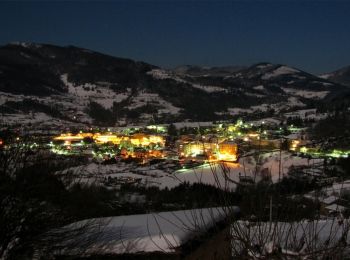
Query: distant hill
{"x":341,"y":76}
{"x":51,"y":85}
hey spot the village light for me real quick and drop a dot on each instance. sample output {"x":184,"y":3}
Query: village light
{"x":303,"y":149}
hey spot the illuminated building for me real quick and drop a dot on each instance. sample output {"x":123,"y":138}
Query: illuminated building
{"x":155,"y":154}
{"x":194,"y":148}
{"x":227,"y":151}
{"x":136,"y":139}
{"x":294,"y":145}
{"x":70,"y":138}
{"x":146,"y":140}
{"x":102,"y":139}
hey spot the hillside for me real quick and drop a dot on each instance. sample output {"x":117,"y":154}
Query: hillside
{"x":341,"y":76}
{"x":47,"y":85}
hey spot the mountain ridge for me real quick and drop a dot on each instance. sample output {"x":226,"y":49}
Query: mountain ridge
{"x":341,"y":76}
{"x":88,"y":87}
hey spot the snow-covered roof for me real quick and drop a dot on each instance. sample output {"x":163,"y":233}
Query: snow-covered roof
{"x":155,"y":232}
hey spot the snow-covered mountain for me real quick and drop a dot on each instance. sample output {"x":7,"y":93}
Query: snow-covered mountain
{"x":341,"y":76}
{"x":49,"y":85}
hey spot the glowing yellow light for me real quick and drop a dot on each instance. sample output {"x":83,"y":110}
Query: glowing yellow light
{"x":195,"y":151}
{"x":227,"y":157}
{"x":107,"y":139}
{"x":294,"y":145}
{"x":231,"y":128}
{"x":303,"y":149}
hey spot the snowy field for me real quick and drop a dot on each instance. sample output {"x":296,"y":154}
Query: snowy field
{"x":292,"y":102}
{"x":306,"y":93}
{"x":306,"y":114}
{"x":144,"y":98}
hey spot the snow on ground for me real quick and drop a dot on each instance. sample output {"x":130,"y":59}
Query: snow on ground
{"x":326,"y":76}
{"x":328,"y":84}
{"x":294,"y":238}
{"x":271,"y":162}
{"x":36,"y":121}
{"x":260,"y":87}
{"x":254,"y":95}
{"x":336,"y":189}
{"x":306,"y":93}
{"x":144,"y":98}
{"x":223,"y":175}
{"x":4,"y":97}
{"x":163,"y":74}
{"x":306,"y":114}
{"x":86,"y":92}
{"x":34,"y":118}
{"x":154,"y":232}
{"x":23,"y":119}
{"x":329,"y":195}
{"x":71,"y":105}
{"x":292,"y":102}
{"x":283,"y":70}
{"x":237,"y":111}
{"x":335,"y":207}
{"x":209,"y":89}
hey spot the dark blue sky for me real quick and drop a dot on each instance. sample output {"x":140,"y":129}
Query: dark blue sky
{"x":314,"y":36}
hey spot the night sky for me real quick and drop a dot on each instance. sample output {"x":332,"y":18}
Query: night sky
{"x":314,"y":36}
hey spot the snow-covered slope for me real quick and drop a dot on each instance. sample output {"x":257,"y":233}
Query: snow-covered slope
{"x":80,"y":86}
{"x":341,"y":76}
